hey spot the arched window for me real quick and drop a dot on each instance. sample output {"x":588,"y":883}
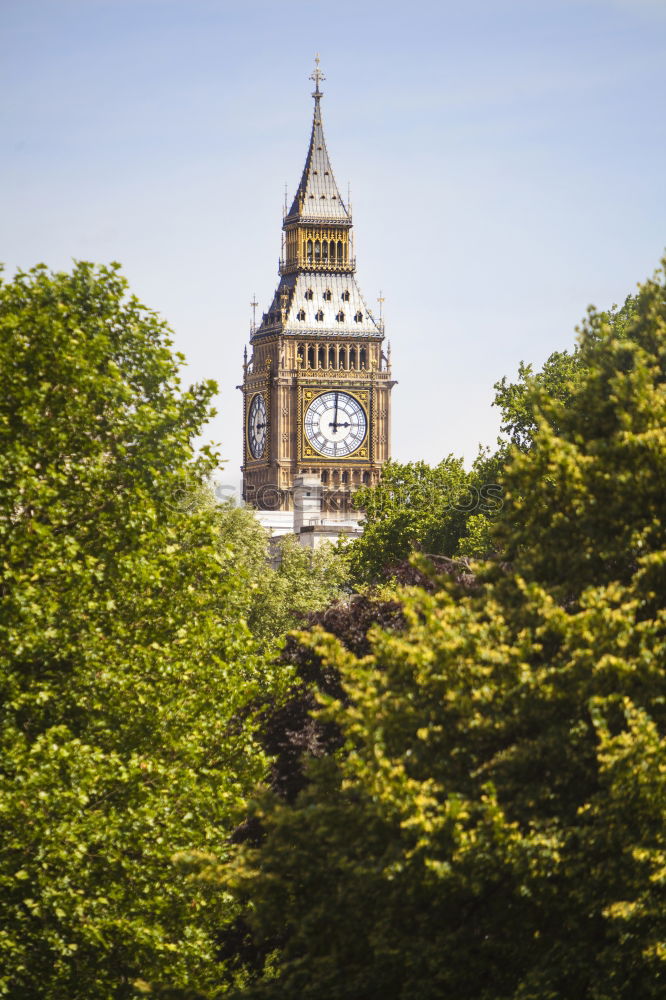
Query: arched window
{"x":309,"y":251}
{"x":340,"y":252}
{"x":324,"y":250}
{"x":311,"y":357}
{"x":366,"y":477}
{"x":344,"y":478}
{"x":317,"y":251}
{"x":319,"y":315}
{"x":343,"y":358}
{"x":301,"y":314}
{"x":324,"y":476}
{"x":345,"y":295}
{"x":321,"y":360}
{"x":309,"y":294}
{"x":358,"y":318}
{"x":352,"y":357}
{"x":331,"y":358}
{"x":340,"y":317}
{"x":327,"y":295}
{"x":363,"y":357}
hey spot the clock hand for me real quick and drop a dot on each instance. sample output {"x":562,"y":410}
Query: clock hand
{"x":334,"y":425}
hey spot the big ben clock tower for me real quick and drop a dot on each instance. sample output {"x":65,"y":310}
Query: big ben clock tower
{"x":317,"y":387}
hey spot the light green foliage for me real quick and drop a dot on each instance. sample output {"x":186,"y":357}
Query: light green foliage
{"x":557,"y":380}
{"x":124,"y":677}
{"x":493,"y":827}
{"x":447,"y":511}
{"x":591,"y":490}
{"x":302,"y":582}
{"x":477,"y":543}
{"x":416,"y":507}
{"x":277,"y":587}
{"x":475,"y":839}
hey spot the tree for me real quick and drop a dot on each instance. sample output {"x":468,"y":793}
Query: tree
{"x":301,"y":583}
{"x":284,"y":583}
{"x":419,"y":508}
{"x":447,"y":511}
{"x":290,"y":734}
{"x":590,"y":488}
{"x":124,"y":675}
{"x":492,"y":825}
{"x":557,"y":380}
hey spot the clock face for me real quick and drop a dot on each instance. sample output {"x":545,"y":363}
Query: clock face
{"x":335,"y":424}
{"x":256,"y":426}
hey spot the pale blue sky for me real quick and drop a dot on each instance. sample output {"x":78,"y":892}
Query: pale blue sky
{"x":507,"y":162}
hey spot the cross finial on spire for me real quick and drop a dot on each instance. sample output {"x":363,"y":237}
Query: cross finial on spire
{"x":317,"y":76}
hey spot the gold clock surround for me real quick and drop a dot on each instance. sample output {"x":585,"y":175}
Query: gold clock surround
{"x":259,"y":388}
{"x":306,"y":452}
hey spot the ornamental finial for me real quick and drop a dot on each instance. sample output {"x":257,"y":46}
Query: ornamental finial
{"x":317,"y":76}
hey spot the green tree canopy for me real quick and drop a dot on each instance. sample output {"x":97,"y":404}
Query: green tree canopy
{"x":591,"y":489}
{"x":416,"y":507}
{"x":492,"y":825}
{"x":448,"y":511}
{"x":519,"y":401}
{"x":124,"y":670}
{"x":279,"y":583}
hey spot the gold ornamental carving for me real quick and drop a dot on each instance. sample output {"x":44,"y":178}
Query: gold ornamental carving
{"x":335,"y":373}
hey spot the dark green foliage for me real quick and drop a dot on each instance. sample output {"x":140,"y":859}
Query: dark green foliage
{"x":292,"y":735}
{"x":289,"y":732}
{"x":517,"y":401}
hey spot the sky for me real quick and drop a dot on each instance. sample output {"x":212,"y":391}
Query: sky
{"x":507,"y":162}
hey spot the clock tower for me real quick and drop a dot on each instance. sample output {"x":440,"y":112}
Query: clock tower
{"x":317,"y":385}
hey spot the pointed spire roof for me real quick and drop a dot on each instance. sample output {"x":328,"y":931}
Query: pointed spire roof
{"x":317,"y":197}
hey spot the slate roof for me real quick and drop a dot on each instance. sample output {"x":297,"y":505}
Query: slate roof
{"x":297,"y":287}
{"x":317,"y":196}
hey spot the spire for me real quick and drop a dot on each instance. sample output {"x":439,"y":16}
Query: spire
{"x":317,"y":76}
{"x":317,"y":197}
